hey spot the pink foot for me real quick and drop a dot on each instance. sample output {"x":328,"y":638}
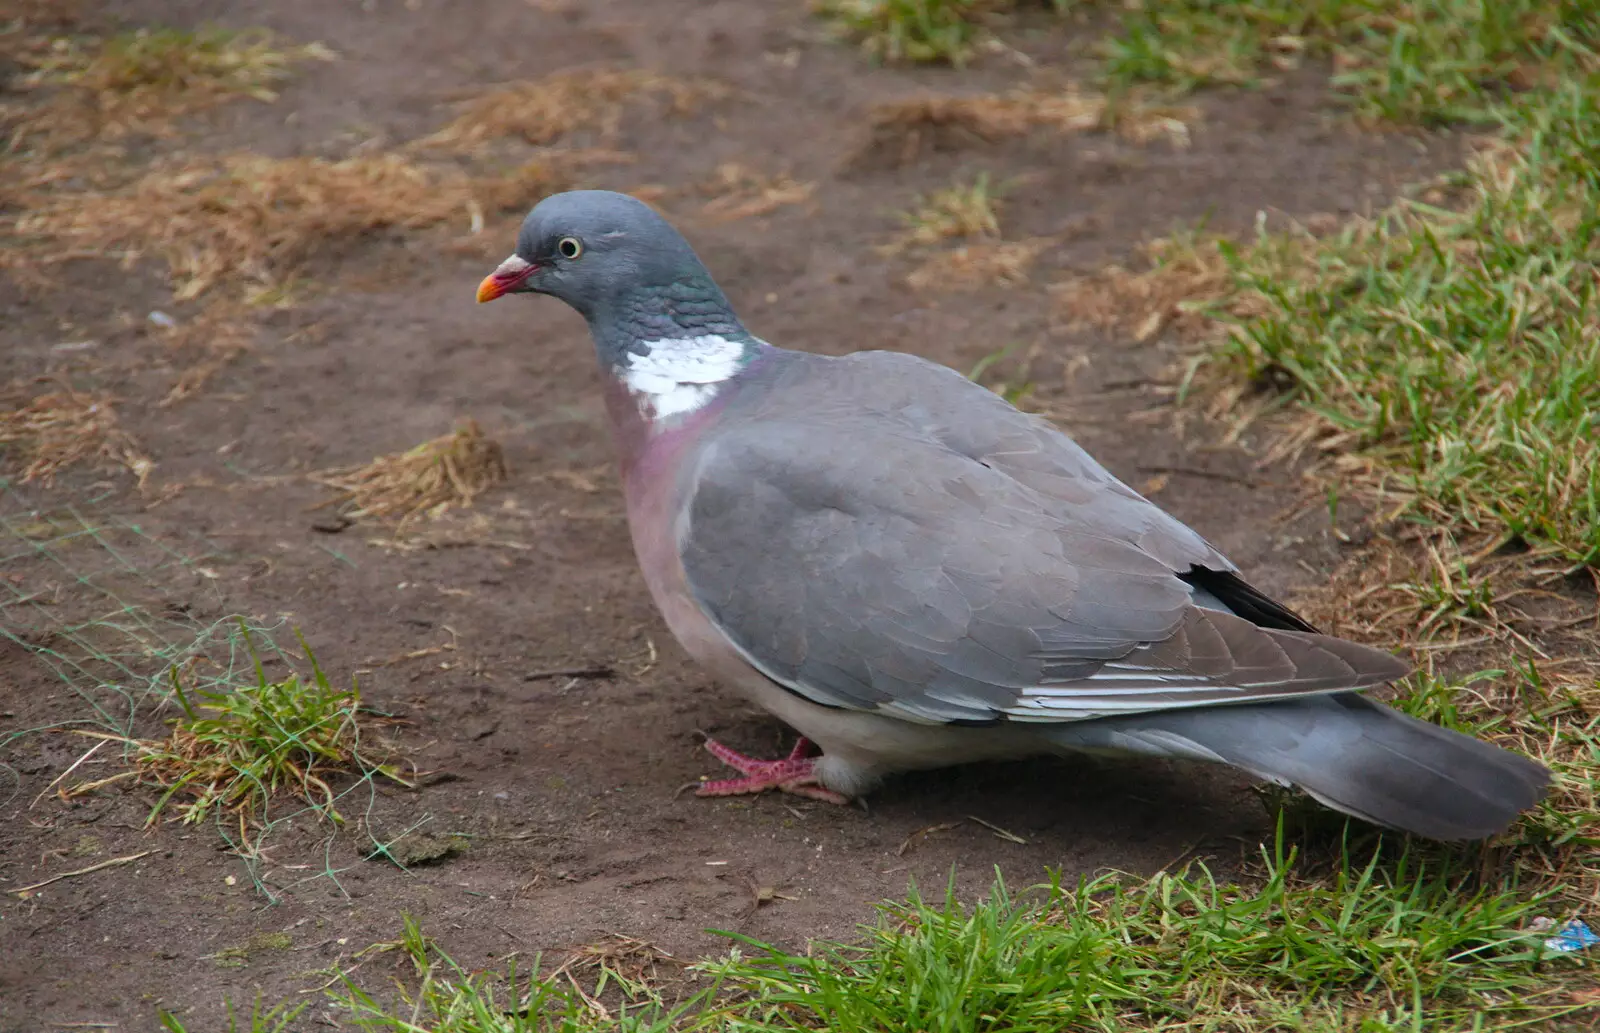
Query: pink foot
{"x":793,"y":774}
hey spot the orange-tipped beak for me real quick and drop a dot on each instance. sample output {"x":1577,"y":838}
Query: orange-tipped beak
{"x":510,"y":275}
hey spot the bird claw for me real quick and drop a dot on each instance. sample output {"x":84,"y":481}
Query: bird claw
{"x":795,"y":774}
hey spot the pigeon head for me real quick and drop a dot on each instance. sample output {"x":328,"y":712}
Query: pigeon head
{"x":621,"y":266}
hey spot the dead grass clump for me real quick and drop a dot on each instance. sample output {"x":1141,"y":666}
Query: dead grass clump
{"x":251,"y":219}
{"x":448,"y":471}
{"x":633,"y":966}
{"x":968,"y":212}
{"x":907,"y":126}
{"x":540,"y":111}
{"x":211,"y":339}
{"x":739,"y":192}
{"x":1183,"y":276}
{"x":961,"y":211}
{"x":977,"y":265}
{"x":52,"y":431}
{"x":143,"y":79}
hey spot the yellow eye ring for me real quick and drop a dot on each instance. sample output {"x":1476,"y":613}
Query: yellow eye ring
{"x":569,"y":248}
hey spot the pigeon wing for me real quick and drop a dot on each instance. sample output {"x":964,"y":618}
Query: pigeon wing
{"x":864,"y":556}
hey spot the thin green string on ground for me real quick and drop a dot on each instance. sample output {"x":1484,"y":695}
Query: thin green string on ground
{"x":132,"y":628}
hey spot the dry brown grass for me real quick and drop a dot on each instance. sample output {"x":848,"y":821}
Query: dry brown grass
{"x":1141,"y":304}
{"x":907,"y":126}
{"x":968,"y":213}
{"x":142,"y":80}
{"x":740,"y":192}
{"x":44,"y":434}
{"x":541,"y":111}
{"x":632,"y":965}
{"x":1180,"y":277}
{"x":206,"y":343}
{"x":961,"y":211}
{"x":976,"y":265}
{"x":252,"y":221}
{"x":428,"y":480}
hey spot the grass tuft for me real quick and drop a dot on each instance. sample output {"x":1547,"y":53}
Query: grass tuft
{"x":961,"y":211}
{"x":933,"y":31}
{"x":202,"y":66}
{"x":970,"y":213}
{"x":1433,"y":62}
{"x":234,"y":749}
{"x":541,"y":111}
{"x":907,"y":125}
{"x":445,"y":997}
{"x":1000,"y":262}
{"x":141,"y":80}
{"x":737,"y":191}
{"x":427,"y":480}
{"x":47,"y":433}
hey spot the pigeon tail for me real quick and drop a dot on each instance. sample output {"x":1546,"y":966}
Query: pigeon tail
{"x":1353,"y":754}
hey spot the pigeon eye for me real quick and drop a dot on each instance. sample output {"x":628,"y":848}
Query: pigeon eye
{"x":569,"y":247}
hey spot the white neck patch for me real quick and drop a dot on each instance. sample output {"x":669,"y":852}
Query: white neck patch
{"x":680,"y":374}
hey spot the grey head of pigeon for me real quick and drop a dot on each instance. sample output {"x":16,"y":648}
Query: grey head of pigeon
{"x":637,"y":282}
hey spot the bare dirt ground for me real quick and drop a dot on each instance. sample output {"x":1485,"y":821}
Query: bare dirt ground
{"x":566,"y":786}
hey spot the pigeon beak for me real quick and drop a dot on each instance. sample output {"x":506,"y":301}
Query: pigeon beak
{"x":511,"y":274}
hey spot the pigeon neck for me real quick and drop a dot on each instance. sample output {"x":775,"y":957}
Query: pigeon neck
{"x":672,"y":348}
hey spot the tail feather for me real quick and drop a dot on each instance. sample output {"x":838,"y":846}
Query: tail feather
{"x":1355,"y":755}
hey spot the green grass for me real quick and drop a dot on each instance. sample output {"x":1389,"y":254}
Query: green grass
{"x":1397,"y":945}
{"x":1430,"y":62}
{"x":908,"y":30}
{"x":200,"y":66}
{"x":918,"y":31}
{"x":1440,"y":363}
{"x":236,"y":747}
{"x":1433,"y":62}
{"x":276,"y":1019}
{"x":1454,"y":347}
{"x":1386,"y":941}
{"x":444,"y":997}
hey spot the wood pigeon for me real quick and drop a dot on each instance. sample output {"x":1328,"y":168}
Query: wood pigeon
{"x":912,"y":573}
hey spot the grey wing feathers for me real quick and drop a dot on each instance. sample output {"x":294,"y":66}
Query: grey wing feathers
{"x":857,"y":552}
{"x":972,"y":421}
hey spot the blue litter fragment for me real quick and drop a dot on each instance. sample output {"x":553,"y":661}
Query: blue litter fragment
{"x":1572,"y":937}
